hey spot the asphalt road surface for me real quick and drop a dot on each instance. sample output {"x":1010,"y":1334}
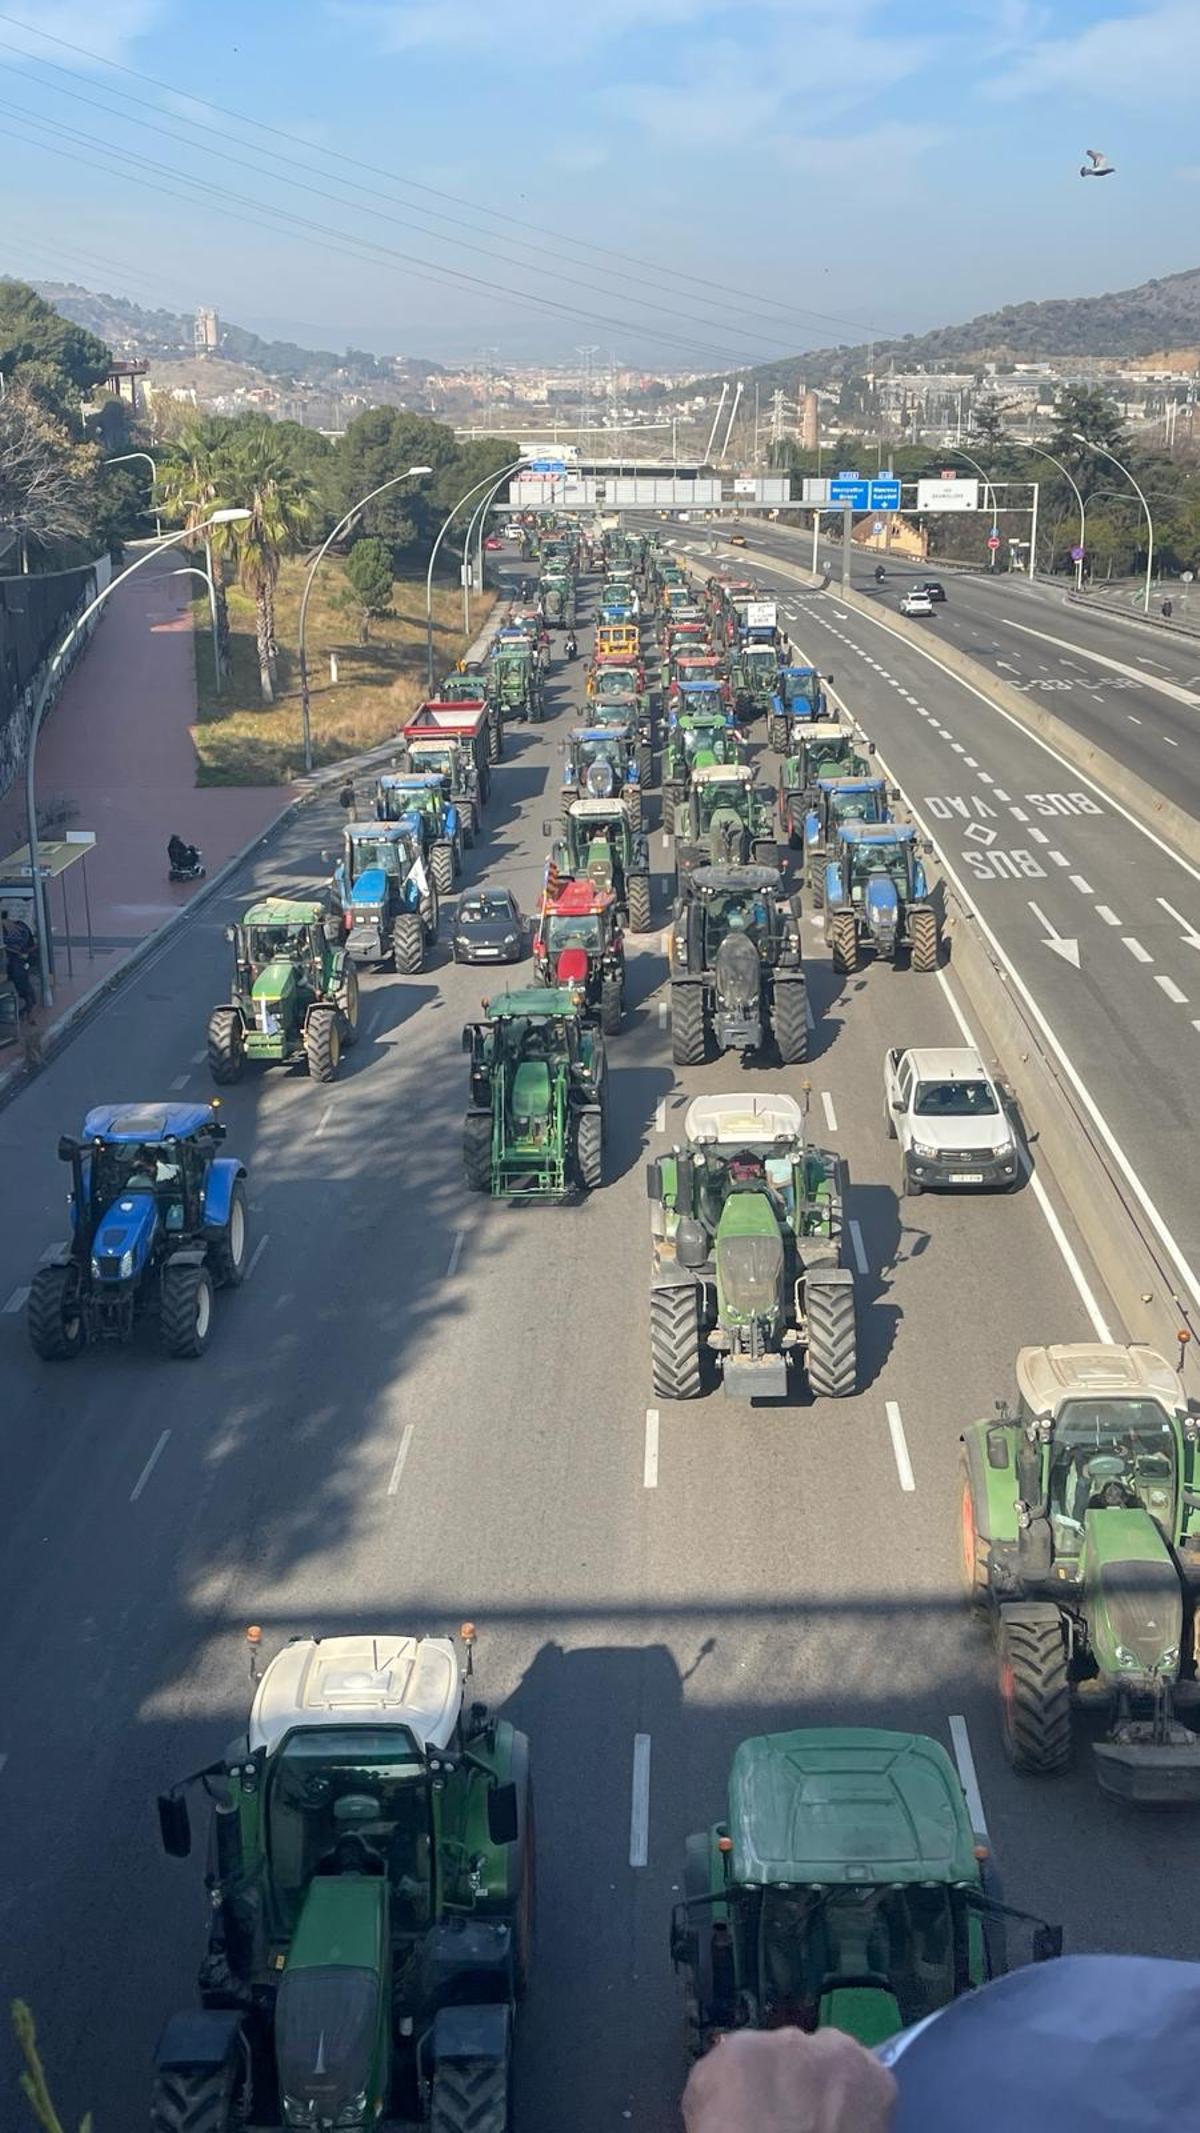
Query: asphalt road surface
{"x":423,"y":1406}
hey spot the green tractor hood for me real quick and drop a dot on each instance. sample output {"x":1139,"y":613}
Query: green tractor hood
{"x":275,"y":981}
{"x":1135,"y":1605}
{"x":332,"y":2008}
{"x":750,"y":1260}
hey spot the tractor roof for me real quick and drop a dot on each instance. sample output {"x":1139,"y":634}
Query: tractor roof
{"x":882,"y":833}
{"x":799,"y":673}
{"x":825,"y":729}
{"x":381,"y":1681}
{"x":380,"y":832}
{"x":702,"y":685}
{"x":424,"y":781}
{"x":591,"y":733}
{"x":728,"y":880}
{"x":723,"y":774}
{"x":145,"y":1122}
{"x":848,"y":1806}
{"x":1088,"y":1370}
{"x":850,"y":784}
{"x":540,"y":1003}
{"x":284,"y":911}
{"x":579,"y":897}
{"x":743,"y":1120}
{"x":599,"y":810}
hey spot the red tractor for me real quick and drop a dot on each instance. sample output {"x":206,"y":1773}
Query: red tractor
{"x":579,"y":943}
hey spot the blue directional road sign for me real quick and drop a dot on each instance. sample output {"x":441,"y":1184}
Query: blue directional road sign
{"x":850,"y":489}
{"x":547,"y":466}
{"x":885,"y":495}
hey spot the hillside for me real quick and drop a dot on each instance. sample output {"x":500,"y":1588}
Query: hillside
{"x":130,"y":330}
{"x":1126,"y":322}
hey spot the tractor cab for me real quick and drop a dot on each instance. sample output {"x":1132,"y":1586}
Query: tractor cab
{"x":800,"y":692}
{"x":418,"y":800}
{"x":374,"y":854}
{"x":875,"y":863}
{"x":819,"y":749}
{"x":600,"y":761}
{"x":723,"y":818}
{"x":467,"y":685}
{"x":535,"y":1124}
{"x":618,"y":640}
{"x":843,"y":1891}
{"x":280,"y":948}
{"x":370,"y":1893}
{"x":599,"y":840}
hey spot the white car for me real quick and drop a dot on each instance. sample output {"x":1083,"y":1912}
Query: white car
{"x":916,"y":603}
{"x":949,"y":1118}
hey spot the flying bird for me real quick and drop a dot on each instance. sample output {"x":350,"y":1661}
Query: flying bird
{"x":1100,"y":165}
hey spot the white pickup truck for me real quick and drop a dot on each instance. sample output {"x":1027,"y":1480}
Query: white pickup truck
{"x":949,"y":1118}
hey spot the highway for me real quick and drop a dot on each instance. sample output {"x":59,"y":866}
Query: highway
{"x":423,"y":1406}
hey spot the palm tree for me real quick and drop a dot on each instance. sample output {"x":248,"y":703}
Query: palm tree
{"x":192,"y":478}
{"x":258,"y":477}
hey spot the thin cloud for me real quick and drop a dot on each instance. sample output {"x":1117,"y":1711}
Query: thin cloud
{"x":1144,"y":58}
{"x":108,"y":32}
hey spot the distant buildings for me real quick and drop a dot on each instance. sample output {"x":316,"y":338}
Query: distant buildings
{"x":206,"y":332}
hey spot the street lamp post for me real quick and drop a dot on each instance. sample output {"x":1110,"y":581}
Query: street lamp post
{"x":493,"y":478}
{"x":193,"y":570}
{"x":1123,"y":469}
{"x":1039,"y":453}
{"x":219,"y":518}
{"x":122,"y":459}
{"x":343,"y":523}
{"x":989,"y":493}
{"x":476,"y":531}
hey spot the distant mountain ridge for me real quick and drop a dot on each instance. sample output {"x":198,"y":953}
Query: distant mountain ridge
{"x":131,"y":330}
{"x":1125,"y":322}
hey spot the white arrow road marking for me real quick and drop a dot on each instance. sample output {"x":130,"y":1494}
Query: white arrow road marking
{"x":1190,"y":934}
{"x":1069,"y":950}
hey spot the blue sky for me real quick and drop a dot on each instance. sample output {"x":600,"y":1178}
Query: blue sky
{"x":789,"y":173}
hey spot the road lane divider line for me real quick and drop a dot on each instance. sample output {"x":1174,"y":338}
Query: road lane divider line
{"x":1084,"y":887}
{"x":1136,"y":950}
{"x":639,"y":1810}
{"x":830,"y":1113}
{"x":960,"y":1741}
{"x":650,"y":1450}
{"x":663,"y":1011}
{"x":17,"y":1301}
{"x":460,"y":1238}
{"x":1172,"y":991}
{"x":180,"y":1082}
{"x":1058,"y":859}
{"x":809,"y":1017}
{"x":1106,"y":912}
{"x":324,"y":1119}
{"x":406,"y":1438}
{"x":149,"y":1467}
{"x":198,"y":1058}
{"x":895,"y":1424}
{"x":257,"y":1253}
{"x":858,"y":1247}
{"x":660,"y":1115}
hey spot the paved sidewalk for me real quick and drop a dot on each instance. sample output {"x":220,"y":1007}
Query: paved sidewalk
{"x":117,"y":746}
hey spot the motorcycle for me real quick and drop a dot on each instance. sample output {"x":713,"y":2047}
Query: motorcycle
{"x":185,"y":862}
{"x":880,"y":573}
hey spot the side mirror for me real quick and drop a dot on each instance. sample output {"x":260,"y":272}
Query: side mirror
{"x":829,"y":677}
{"x":897,"y":1103}
{"x":1047,"y":1943}
{"x":654,"y":1182}
{"x":326,"y":856}
{"x":691,"y":1242}
{"x":502,"y":1814}
{"x":174,"y":1824}
{"x":231,"y":934}
{"x":468,"y":1040}
{"x":66,"y":1148}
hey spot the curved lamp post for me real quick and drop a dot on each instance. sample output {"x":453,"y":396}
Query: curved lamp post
{"x":1123,"y":469}
{"x":492,"y":477}
{"x":475,"y":532}
{"x":193,"y":570}
{"x":218,"y":518}
{"x":955,"y":451}
{"x":123,"y":459}
{"x":1040,"y":453}
{"x":343,"y":523}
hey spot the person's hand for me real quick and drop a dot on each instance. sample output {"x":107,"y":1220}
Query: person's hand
{"x":784,"y":2081}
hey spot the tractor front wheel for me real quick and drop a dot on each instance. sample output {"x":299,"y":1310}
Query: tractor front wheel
{"x":632,"y":796}
{"x":832,"y":1336}
{"x":347,"y":1000}
{"x":226,"y":1046}
{"x":443,"y":867}
{"x":1035,"y":1689}
{"x":688,"y":1032}
{"x":923,"y":939}
{"x":675,"y":1341}
{"x":791,"y":1022}
{"x":187,"y":1309}
{"x":227,"y":1245}
{"x":612,"y":1005}
{"x":645,"y":763}
{"x":470,"y":2096}
{"x":843,"y":940}
{"x":408,"y":943}
{"x":323,"y":1043}
{"x":589,"y":1147}
{"x":194,"y":2099}
{"x":637,"y":889}
{"x":54,"y":1313}
{"x":477,"y":1150}
{"x":495,"y":740}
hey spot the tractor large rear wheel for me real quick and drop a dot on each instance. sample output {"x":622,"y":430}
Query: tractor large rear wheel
{"x":589,"y":1147}
{"x":408,"y":943}
{"x":431,"y":912}
{"x":495,"y":740}
{"x":187,"y":1309}
{"x":923,"y":939}
{"x":347,"y":1000}
{"x":197,"y":2099}
{"x":323,"y":1043}
{"x":637,"y":890}
{"x":1035,"y":1689}
{"x":470,"y":2096}
{"x":612,"y":1005}
{"x":227,"y":1245}
{"x":843,"y":940}
{"x":477,"y":1150}
{"x":54,"y":1313}
{"x":777,"y":733}
{"x":226,"y":1046}
{"x":791,"y":1022}
{"x":688,"y":1030}
{"x":632,"y":796}
{"x":675,"y":1341}
{"x":832,"y":1335}
{"x":443,"y":868}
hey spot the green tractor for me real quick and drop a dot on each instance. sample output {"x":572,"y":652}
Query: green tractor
{"x":1081,"y":1546}
{"x":537,"y":1116}
{"x":598,"y":838}
{"x":736,"y":968}
{"x":726,"y":820}
{"x":845,"y":1891}
{"x":823,"y":749}
{"x":295,"y":994}
{"x":370,"y":1900}
{"x":556,"y":598}
{"x":747,"y":1225}
{"x":516,"y":683}
{"x":698,"y":734}
{"x":469,"y":685}
{"x":754,"y":672}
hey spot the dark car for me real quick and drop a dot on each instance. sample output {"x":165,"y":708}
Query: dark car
{"x":934,"y":588}
{"x":488,"y":928}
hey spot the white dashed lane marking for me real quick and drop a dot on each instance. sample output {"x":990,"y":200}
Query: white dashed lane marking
{"x":895,"y":1424}
{"x":830,"y":1113}
{"x":1110,"y":917}
{"x":1172,"y":991}
{"x":17,"y":1301}
{"x":1078,"y":882}
{"x":1140,"y":954}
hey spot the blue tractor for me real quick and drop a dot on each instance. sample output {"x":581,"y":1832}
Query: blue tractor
{"x":385,"y":895}
{"x":833,"y":801}
{"x":876,"y":893}
{"x":799,"y":699}
{"x":158,"y":1222}
{"x":421,"y":804}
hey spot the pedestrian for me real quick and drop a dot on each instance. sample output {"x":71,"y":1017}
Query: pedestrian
{"x":1168,"y":610}
{"x":571,"y":648}
{"x":346,"y":798}
{"x":18,"y":953}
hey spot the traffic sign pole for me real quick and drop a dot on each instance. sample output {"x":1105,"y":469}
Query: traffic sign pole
{"x":847,"y":523}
